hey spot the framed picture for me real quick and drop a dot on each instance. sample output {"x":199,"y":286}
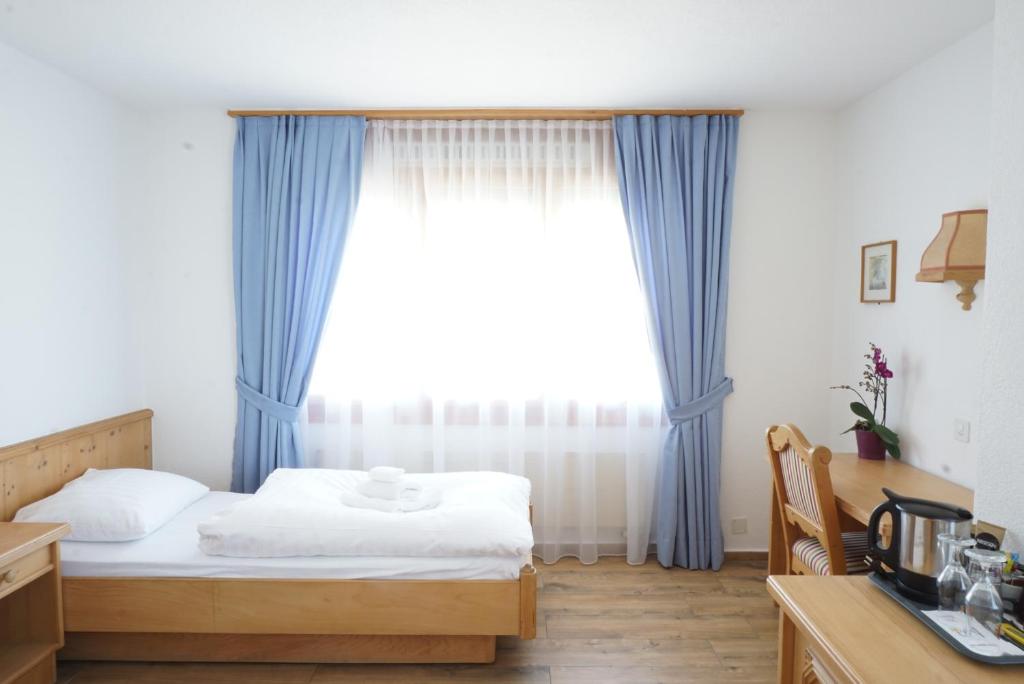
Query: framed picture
{"x":878,"y":272}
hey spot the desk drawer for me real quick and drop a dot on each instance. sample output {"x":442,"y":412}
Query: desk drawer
{"x":15,"y":575}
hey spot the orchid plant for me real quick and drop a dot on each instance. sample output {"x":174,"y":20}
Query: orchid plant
{"x":874,"y":383}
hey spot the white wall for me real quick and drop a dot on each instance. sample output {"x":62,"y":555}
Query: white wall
{"x":1000,"y":493}
{"x":67,"y":353}
{"x":905,"y":154}
{"x":779,"y":303}
{"x":115,"y":268}
{"x":186,"y":310}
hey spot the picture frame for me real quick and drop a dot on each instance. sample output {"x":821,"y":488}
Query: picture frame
{"x":878,"y":272}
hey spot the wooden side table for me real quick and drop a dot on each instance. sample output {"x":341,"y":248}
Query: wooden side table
{"x":31,"y":616}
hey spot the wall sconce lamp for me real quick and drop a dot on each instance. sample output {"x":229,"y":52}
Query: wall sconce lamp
{"x":957,"y":253}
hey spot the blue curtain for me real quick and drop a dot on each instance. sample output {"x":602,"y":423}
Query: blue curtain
{"x":676,"y":176}
{"x":296,"y":189}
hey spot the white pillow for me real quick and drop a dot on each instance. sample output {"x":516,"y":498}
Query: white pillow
{"x":120,"y":504}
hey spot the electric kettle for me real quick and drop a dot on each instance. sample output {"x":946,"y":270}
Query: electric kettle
{"x":914,"y":552}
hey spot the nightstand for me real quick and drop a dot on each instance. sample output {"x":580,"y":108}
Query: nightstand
{"x":31,"y":617}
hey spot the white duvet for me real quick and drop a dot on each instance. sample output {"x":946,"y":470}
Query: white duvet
{"x":298,"y":512}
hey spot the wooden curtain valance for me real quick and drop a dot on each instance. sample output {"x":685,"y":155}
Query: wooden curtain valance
{"x":486,"y":114}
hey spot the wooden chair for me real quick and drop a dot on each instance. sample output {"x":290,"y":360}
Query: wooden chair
{"x":807,"y":508}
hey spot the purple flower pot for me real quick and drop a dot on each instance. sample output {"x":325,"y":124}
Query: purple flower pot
{"x":870,"y":446}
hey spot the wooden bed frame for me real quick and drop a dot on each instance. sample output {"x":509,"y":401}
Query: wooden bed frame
{"x":254,"y":620}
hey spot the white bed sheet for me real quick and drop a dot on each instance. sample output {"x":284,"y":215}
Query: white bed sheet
{"x":298,"y":512}
{"x":173,"y":551}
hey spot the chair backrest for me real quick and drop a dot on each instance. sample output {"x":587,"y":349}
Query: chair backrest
{"x":803,"y":489}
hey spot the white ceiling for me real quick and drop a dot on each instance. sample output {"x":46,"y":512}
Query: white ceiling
{"x":486,"y":53}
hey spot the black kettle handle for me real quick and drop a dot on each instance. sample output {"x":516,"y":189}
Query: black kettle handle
{"x":891,"y":555}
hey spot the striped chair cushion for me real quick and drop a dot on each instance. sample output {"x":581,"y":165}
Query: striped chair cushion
{"x":812,"y":554}
{"x":798,"y":480}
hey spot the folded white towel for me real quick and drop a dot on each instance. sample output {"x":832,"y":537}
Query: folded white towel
{"x":389,"y":491}
{"x":386,"y":474}
{"x":424,"y":500}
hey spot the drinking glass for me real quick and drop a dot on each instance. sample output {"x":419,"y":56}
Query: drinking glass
{"x":954,"y":582}
{"x":980,"y":559}
{"x":983,"y":601}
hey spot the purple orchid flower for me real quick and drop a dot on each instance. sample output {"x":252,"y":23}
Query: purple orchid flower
{"x":875,"y":385}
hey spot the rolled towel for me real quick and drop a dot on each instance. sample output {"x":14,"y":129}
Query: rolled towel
{"x":386,"y":474}
{"x":424,"y":500}
{"x":389,"y":491}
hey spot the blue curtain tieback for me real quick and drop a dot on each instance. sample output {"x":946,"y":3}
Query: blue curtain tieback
{"x":701,"y":404}
{"x":266,"y":405}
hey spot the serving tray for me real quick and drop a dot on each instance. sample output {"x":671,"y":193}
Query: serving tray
{"x":883,"y":582}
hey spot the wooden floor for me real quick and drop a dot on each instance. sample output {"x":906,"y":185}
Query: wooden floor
{"x":607,"y":622}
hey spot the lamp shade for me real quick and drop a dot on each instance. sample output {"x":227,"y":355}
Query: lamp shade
{"x":957,"y":252}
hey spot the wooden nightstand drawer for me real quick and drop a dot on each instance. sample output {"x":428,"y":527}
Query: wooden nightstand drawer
{"x":15,"y":575}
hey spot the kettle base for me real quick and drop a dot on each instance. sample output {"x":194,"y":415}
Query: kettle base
{"x":916,"y":594}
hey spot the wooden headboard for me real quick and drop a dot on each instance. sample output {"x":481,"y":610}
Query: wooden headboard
{"x":39,"y":467}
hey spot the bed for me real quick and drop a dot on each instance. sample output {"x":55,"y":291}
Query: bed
{"x":161,"y":599}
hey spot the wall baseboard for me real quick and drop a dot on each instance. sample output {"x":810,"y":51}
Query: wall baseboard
{"x":746,"y":556}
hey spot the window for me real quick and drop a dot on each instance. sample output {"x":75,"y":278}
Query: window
{"x":488,"y":317}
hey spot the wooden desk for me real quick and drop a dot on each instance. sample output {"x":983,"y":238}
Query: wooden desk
{"x":858,"y":634}
{"x":857,"y":484}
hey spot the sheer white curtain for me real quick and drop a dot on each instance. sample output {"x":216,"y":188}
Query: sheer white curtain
{"x":488,"y":317}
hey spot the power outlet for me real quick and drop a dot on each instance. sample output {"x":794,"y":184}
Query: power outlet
{"x":739,"y":525}
{"x":961,"y":430}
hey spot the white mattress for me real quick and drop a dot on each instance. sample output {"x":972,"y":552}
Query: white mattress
{"x":173,"y":551}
